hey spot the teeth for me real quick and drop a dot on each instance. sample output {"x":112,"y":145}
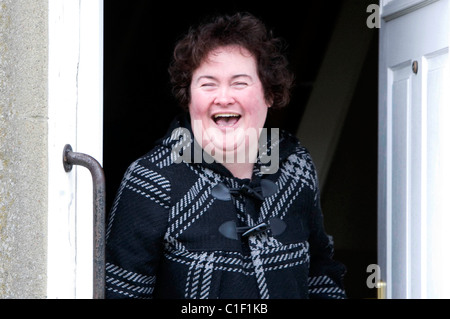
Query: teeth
{"x":226,"y":115}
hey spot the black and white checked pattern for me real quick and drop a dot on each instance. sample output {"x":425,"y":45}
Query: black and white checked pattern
{"x":161,"y":242}
{"x":129,"y":284}
{"x":325,"y":287}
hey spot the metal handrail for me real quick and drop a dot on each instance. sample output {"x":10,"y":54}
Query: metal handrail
{"x":71,"y":158}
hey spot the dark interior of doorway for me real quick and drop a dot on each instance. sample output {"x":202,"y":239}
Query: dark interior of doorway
{"x":138,"y":106}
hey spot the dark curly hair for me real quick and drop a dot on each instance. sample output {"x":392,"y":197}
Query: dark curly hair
{"x":242,"y":29}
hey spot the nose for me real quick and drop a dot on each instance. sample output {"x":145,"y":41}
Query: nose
{"x":224,"y":97}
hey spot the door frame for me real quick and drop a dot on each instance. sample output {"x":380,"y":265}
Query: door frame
{"x":75,"y":117}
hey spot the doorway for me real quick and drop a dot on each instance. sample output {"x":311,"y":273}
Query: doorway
{"x":139,"y":37}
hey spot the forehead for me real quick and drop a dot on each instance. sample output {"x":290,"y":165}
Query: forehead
{"x":229,"y":57}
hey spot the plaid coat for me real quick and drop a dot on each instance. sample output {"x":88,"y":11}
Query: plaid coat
{"x":181,"y":229}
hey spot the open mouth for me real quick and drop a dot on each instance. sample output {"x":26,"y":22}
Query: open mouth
{"x":226,"y":119}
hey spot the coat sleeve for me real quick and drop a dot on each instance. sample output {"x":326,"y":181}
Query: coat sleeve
{"x":326,"y":275}
{"x":135,"y":231}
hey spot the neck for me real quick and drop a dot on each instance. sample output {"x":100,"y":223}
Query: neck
{"x":240,"y":170}
{"x":240,"y":167}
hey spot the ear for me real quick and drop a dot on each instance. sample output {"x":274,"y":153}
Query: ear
{"x":269,"y":101}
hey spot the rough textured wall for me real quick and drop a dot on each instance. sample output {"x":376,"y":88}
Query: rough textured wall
{"x":23,"y":148}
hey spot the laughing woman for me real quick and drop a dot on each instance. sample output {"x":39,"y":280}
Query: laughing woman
{"x":218,"y":223}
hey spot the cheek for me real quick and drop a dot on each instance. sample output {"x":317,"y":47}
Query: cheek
{"x":255,"y":104}
{"x":198,"y":105}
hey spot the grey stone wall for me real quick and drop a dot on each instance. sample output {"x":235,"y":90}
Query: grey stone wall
{"x":23,"y":148}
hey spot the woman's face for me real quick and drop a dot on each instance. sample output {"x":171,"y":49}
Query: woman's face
{"x":227,"y":104}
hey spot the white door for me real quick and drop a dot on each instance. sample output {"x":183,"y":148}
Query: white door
{"x":414,"y":148}
{"x":75,"y":97}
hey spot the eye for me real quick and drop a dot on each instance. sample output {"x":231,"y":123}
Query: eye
{"x":240,"y":84}
{"x":208,"y":85}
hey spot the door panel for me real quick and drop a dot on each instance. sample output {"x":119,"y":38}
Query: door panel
{"x":398,"y":215}
{"x":437,"y":190}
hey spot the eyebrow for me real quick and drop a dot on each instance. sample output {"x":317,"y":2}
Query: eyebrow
{"x":210,"y":77}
